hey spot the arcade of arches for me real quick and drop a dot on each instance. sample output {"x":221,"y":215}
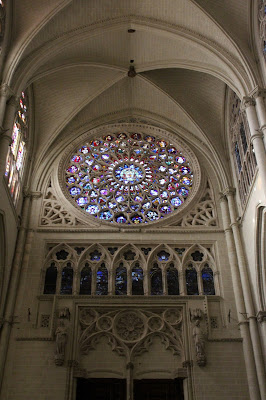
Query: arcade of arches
{"x":132,"y":199}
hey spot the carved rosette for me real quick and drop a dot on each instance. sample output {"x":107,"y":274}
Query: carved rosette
{"x":130,"y":332}
{"x":130,"y":326}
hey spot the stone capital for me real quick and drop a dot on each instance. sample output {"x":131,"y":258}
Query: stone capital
{"x":222,"y":196}
{"x":6,"y":137}
{"x":31,"y":194}
{"x":258,"y":135}
{"x":13,"y":102}
{"x":261,"y":316}
{"x":229,"y":191}
{"x":247,"y":102}
{"x":6,"y":91}
{"x":258,"y":92}
{"x":187,"y":363}
{"x":2,"y":130}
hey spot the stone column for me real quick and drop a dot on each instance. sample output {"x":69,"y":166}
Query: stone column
{"x":182,"y":283}
{"x":256,"y":137}
{"x":259,"y":96}
{"x":129,"y":368}
{"x":164,"y":280}
{"x":254,"y":334}
{"x":6,"y":137}
{"x":200,"y":283}
{"x":240,"y":305}
{"x":75,"y":287}
{"x":129,"y":281}
{"x":5,"y":93}
{"x":13,"y":284}
{"x":93,"y":281}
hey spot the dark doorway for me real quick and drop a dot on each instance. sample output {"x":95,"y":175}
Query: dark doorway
{"x":101,"y":389}
{"x":158,"y":389}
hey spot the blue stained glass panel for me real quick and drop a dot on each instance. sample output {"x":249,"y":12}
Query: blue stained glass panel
{"x":156,"y":280}
{"x":207,"y":281}
{"x":74,"y":191}
{"x":121,"y":280}
{"x":163,"y":255}
{"x":192,"y":281}
{"x":105,"y":215}
{"x":137,"y":280}
{"x":85,"y":280}
{"x":172,"y":280}
{"x":67,"y":280}
{"x":102,"y":280}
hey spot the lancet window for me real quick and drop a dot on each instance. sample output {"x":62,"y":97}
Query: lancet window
{"x":243,"y":153}
{"x":85,"y":280}
{"x":67,"y":279}
{"x":102,"y":280}
{"x":121,"y":280}
{"x":17,"y":152}
{"x":130,"y":270}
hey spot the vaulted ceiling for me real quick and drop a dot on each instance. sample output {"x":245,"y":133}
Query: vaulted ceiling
{"x":77,"y":53}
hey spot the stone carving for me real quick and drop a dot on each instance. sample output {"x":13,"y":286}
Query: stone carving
{"x":130,"y":332}
{"x":53,"y":213}
{"x":199,"y":337}
{"x":64,"y":313}
{"x":61,"y":340}
{"x":203,"y":213}
{"x":129,"y":326}
{"x":262,"y":24}
{"x":45,"y":321}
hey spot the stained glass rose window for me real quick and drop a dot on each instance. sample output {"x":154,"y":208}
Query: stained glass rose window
{"x":128,"y":178}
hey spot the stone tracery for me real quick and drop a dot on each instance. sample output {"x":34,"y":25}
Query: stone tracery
{"x":129,"y":178}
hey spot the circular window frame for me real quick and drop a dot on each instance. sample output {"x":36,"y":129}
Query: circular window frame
{"x":145,"y":129}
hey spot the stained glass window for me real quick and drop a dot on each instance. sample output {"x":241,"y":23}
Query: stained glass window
{"x":67,"y":280}
{"x":102,"y":280}
{"x":95,"y":255}
{"x":156,"y":280}
{"x":244,"y":157}
{"x":197,"y":255}
{"x":17,"y":153}
{"x":85,"y":280}
{"x":121,"y":280}
{"x":192,"y":280}
{"x":129,"y":255}
{"x":62,"y":255}
{"x":50,"y":280}
{"x":128,"y":178}
{"x":238,"y":157}
{"x":163,"y":256}
{"x":172,"y":280}
{"x":137,"y":280}
{"x":243,"y":137}
{"x":207,"y":280}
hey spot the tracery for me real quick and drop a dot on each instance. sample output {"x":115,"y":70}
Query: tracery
{"x":128,"y":178}
{"x":126,"y":272}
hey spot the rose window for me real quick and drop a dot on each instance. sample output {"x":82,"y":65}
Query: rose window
{"x":129,"y":178}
